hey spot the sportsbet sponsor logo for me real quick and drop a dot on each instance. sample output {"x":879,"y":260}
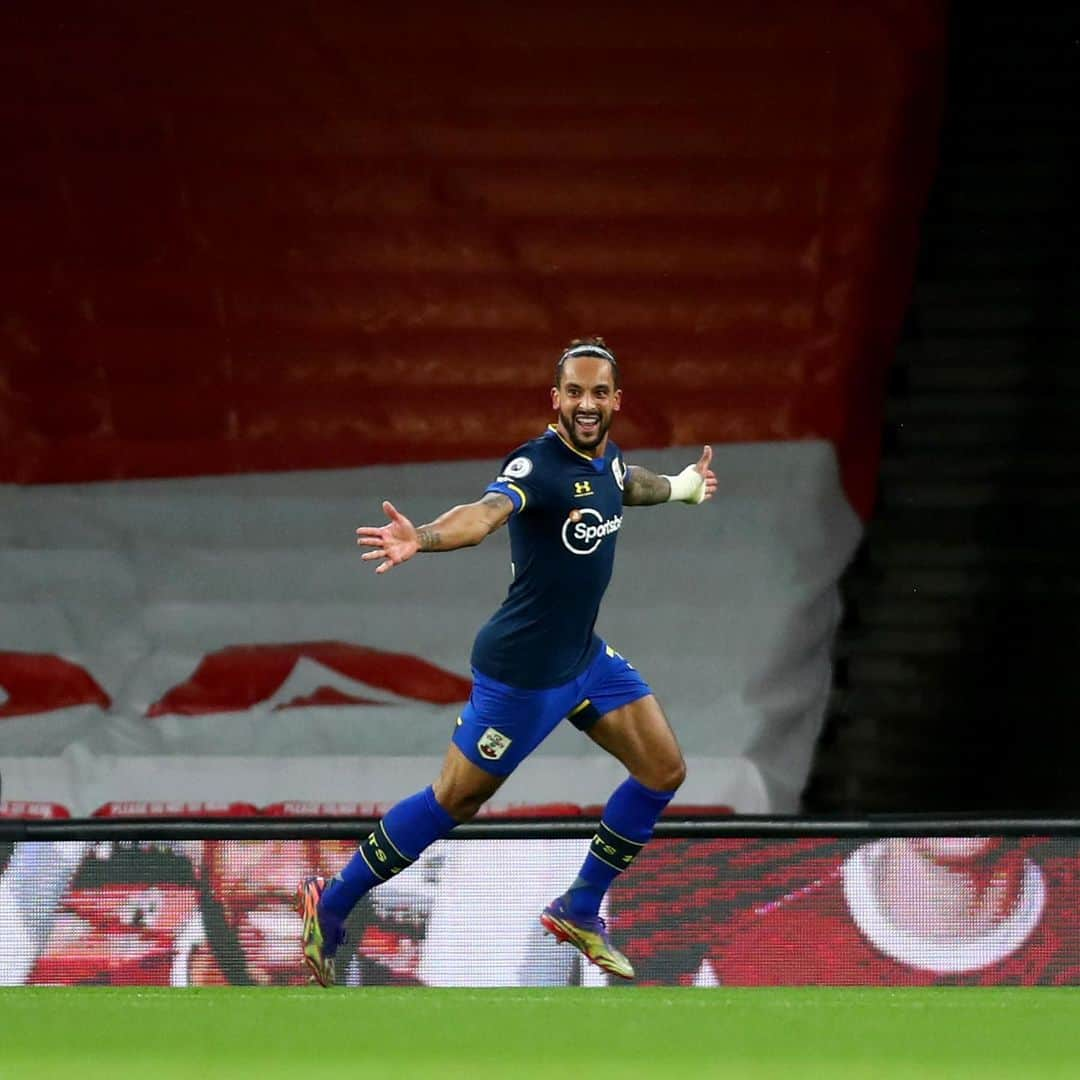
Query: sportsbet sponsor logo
{"x":585,"y":528}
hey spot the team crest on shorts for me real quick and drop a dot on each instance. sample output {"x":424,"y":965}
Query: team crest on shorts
{"x":493,"y":744}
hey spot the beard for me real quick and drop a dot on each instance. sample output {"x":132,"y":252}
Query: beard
{"x":584,"y":442}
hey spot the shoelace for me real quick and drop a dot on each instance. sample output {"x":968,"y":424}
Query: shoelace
{"x":596,"y":924}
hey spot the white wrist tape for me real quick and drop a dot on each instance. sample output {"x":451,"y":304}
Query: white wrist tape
{"x":687,"y":487}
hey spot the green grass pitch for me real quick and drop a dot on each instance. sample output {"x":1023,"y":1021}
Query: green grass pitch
{"x":91,"y":1032}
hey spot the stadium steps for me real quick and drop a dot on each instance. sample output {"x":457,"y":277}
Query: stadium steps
{"x":956,"y":676}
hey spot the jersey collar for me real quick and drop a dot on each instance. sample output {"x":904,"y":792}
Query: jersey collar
{"x":573,"y":449}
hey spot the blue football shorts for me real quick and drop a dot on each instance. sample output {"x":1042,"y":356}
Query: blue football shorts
{"x":501,"y":725}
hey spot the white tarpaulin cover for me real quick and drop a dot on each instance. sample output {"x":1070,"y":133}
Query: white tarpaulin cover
{"x":220,"y":639}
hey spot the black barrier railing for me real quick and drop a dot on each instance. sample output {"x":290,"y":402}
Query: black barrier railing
{"x":333,"y":828}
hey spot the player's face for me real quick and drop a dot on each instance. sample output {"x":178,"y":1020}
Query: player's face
{"x":586,"y":401}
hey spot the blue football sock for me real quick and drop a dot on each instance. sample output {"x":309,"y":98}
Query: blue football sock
{"x":625,"y":828}
{"x":397,"y":841}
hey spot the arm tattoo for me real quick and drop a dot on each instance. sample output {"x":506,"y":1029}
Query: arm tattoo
{"x":429,"y":539}
{"x":464,"y":526}
{"x":501,"y":505}
{"x":644,"y":488}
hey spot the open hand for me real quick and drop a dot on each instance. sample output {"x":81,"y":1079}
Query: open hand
{"x":394,"y":543}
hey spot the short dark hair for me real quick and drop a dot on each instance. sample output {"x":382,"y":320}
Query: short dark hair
{"x":590,"y":346}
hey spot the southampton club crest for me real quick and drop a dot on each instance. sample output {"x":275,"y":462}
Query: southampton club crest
{"x":493,"y":744}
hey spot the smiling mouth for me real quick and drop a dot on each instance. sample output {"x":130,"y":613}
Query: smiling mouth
{"x":587,"y":423}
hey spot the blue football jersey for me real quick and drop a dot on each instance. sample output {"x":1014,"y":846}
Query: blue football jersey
{"x":567,"y":514}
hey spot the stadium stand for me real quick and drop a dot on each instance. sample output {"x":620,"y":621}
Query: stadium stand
{"x":239,"y":254}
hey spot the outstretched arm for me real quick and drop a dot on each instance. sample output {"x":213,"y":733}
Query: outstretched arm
{"x":693,"y":485}
{"x":461,"y":526}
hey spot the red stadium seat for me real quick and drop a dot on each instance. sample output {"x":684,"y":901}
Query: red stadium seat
{"x":677,"y":810}
{"x":152,"y":809}
{"x":302,"y":808}
{"x":531,"y":810}
{"x":32,"y":811}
